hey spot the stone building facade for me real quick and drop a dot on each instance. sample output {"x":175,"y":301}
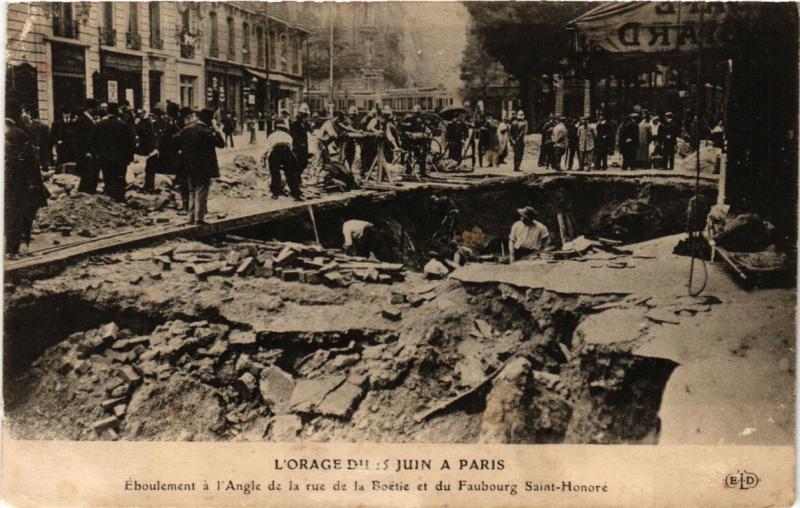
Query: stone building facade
{"x":195,"y":53}
{"x":367,"y":50}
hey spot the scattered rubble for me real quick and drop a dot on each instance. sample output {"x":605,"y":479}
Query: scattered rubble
{"x":291,"y":262}
{"x":87,"y":215}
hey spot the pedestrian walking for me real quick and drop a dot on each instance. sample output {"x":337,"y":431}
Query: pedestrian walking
{"x":25,"y":192}
{"x":586,"y":144}
{"x":516,"y":133}
{"x":113,"y":143}
{"x":279,"y":158}
{"x":197,"y":144}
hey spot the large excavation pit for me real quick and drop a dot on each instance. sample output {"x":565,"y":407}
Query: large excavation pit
{"x":118,"y":347}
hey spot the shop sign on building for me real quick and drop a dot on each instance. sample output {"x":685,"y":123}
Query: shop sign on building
{"x":654,"y":27}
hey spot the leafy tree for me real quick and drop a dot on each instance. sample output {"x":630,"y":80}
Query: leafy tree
{"x":528,"y":38}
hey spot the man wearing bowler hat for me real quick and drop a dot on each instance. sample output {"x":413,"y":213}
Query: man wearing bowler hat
{"x":197,"y":142}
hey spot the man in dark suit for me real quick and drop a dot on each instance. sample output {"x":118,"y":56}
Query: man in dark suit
{"x":60,"y":133}
{"x":24,"y":191}
{"x":198,"y":160}
{"x":82,"y":141}
{"x":114,"y":142}
{"x":629,"y":140}
{"x":299,"y":130}
{"x":668,"y":134}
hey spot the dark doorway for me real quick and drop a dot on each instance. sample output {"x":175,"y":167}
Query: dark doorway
{"x":155,"y":88}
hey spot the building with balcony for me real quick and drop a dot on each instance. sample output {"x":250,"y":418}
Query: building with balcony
{"x":195,"y":53}
{"x":367,"y":55}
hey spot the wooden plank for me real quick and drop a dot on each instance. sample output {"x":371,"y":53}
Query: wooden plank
{"x":36,"y":265}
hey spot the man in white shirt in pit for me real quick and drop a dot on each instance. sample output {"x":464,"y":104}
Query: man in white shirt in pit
{"x":528,"y":236}
{"x":360,"y":238}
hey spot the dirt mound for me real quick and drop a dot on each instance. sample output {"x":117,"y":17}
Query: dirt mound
{"x":88,"y":215}
{"x":708,"y":157}
{"x":631,"y":221}
{"x":242,"y":178}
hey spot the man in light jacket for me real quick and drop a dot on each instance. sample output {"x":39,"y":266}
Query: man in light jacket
{"x":586,"y":137}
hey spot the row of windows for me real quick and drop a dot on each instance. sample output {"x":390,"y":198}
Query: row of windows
{"x":285,"y":52}
{"x":400,"y":103}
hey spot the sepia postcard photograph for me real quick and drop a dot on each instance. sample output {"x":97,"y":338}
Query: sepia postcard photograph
{"x":399,"y":253}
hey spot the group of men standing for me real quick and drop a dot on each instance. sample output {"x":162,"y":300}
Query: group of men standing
{"x":644,"y":142}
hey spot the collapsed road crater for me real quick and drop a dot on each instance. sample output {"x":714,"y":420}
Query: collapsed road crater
{"x":185,"y":340}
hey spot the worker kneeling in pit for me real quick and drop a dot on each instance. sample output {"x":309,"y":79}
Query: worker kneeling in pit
{"x":360,"y":238}
{"x":528,"y":236}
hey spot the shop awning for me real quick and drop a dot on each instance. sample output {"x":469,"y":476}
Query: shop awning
{"x":280,"y":78}
{"x":258,"y":74}
{"x":658,"y":27}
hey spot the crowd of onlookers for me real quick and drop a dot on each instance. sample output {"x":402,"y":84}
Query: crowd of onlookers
{"x":644,"y":141}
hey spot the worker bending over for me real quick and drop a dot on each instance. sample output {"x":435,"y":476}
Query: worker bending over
{"x":360,"y":237}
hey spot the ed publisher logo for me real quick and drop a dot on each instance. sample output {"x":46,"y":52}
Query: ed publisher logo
{"x":742,"y":480}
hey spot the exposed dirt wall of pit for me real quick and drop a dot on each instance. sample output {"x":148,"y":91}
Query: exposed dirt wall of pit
{"x":492,"y":209}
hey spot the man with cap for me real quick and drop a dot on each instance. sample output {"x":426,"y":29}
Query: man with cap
{"x":415,"y":140}
{"x":82,"y":141}
{"x":299,"y":130}
{"x":516,"y":137}
{"x":24,"y":191}
{"x":113,"y":143}
{"x":347,"y":128}
{"x":197,"y":143}
{"x":629,"y":140}
{"x":528,"y":236}
{"x":279,"y":157}
{"x":668,"y":135}
{"x":604,"y":141}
